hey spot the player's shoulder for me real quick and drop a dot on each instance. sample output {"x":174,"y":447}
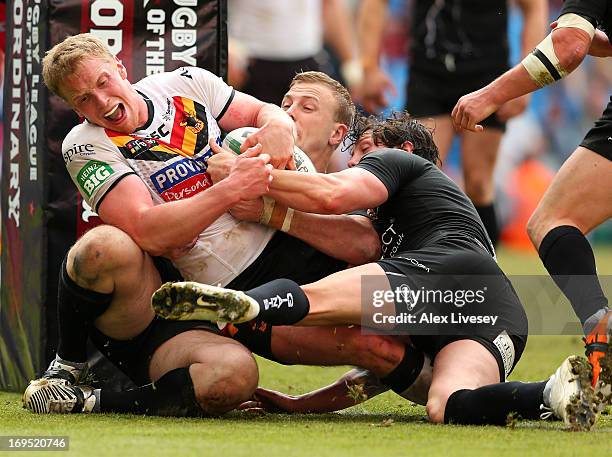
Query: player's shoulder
{"x":179,"y":77}
{"x":82,"y":133}
{"x":83,"y":140}
{"x":393,"y":156}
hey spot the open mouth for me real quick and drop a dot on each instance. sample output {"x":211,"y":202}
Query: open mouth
{"x":116,"y":114}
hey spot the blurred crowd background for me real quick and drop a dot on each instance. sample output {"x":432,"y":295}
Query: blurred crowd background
{"x":320,"y":34}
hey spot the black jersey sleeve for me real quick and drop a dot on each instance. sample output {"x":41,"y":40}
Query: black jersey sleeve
{"x":393,"y":167}
{"x":597,"y":12}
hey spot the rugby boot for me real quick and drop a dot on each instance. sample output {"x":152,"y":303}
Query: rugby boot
{"x":194,"y":301}
{"x":569,"y":395}
{"x":47,"y":396}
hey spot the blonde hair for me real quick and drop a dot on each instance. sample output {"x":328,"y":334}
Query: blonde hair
{"x":63,"y":58}
{"x":345,"y":111}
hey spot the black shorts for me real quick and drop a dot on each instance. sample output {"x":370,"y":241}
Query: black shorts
{"x":450,"y":267}
{"x":599,"y":138}
{"x":268,"y":80}
{"x":132,"y":357}
{"x":284,"y":257}
{"x":435,"y":94}
{"x":287,"y":257}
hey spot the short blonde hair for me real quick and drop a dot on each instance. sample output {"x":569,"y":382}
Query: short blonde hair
{"x":63,"y":58}
{"x":345,"y":112}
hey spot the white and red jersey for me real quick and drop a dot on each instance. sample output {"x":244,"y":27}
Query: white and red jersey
{"x":169,"y":154}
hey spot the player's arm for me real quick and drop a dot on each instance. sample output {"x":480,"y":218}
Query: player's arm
{"x":333,"y":193}
{"x":334,"y":235}
{"x":353,"y":388}
{"x":347,"y":237}
{"x":371,"y":18}
{"x":159,"y":229}
{"x":276,"y":129}
{"x":560,"y":53}
{"x":535,"y":17}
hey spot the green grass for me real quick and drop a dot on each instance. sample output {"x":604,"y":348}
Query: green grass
{"x":357,"y":432}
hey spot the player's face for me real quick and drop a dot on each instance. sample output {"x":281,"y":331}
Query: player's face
{"x":99,"y":91}
{"x":364,"y":146}
{"x":313,"y":108}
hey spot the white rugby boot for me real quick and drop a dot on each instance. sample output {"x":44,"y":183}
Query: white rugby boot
{"x":46,"y":396}
{"x":569,"y":396}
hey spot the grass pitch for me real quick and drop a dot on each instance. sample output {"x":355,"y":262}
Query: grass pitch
{"x":384,"y":426}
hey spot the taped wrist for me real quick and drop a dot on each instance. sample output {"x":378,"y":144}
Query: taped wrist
{"x":543,"y":64}
{"x":276,"y":216}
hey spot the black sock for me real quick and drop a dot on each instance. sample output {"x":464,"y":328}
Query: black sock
{"x":489,"y":220}
{"x":404,"y":375}
{"x":171,"y":395}
{"x":569,"y":259}
{"x":493,"y":404}
{"x":77,"y":308}
{"x":281,"y":302}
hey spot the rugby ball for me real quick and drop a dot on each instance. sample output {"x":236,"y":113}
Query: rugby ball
{"x":234,"y":139}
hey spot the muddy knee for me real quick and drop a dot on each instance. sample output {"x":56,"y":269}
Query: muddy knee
{"x":224,"y":384}
{"x":98,"y":253}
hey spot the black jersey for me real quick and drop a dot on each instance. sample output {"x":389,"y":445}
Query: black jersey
{"x":460,"y":36}
{"x":424,"y":204}
{"x":598,"y":12}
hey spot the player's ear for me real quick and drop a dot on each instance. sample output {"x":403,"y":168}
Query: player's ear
{"x":121,"y":69}
{"x":338,"y":134}
{"x":407,"y":146}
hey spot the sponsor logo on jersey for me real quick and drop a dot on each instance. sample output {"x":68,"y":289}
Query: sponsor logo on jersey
{"x":191,"y":121}
{"x":182,"y":179}
{"x":83,"y":149}
{"x":139,"y":146}
{"x":93,"y":175}
{"x":167,"y":116}
{"x":391,"y":240}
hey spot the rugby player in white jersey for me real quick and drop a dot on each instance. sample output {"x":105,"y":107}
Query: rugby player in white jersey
{"x":141,"y":152}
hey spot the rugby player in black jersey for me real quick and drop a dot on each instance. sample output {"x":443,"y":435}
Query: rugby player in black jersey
{"x":432,"y":240}
{"x":580,"y":197}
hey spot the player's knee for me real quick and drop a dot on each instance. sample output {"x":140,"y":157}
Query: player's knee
{"x":98,"y":251}
{"x":436,"y":404}
{"x":244,"y":375}
{"x":480,"y":189}
{"x":537,"y":227}
{"x":379,"y":354}
{"x":435,"y":410}
{"x":231,"y":381}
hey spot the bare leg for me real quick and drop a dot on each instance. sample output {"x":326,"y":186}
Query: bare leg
{"x":337,"y":299}
{"x":337,"y":345}
{"x":106,"y":260}
{"x":579,"y":196}
{"x":223,"y":372}
{"x":463,"y":364}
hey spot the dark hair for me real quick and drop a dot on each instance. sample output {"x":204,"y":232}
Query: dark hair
{"x":361,"y":124}
{"x":393,"y":131}
{"x":400,"y":127}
